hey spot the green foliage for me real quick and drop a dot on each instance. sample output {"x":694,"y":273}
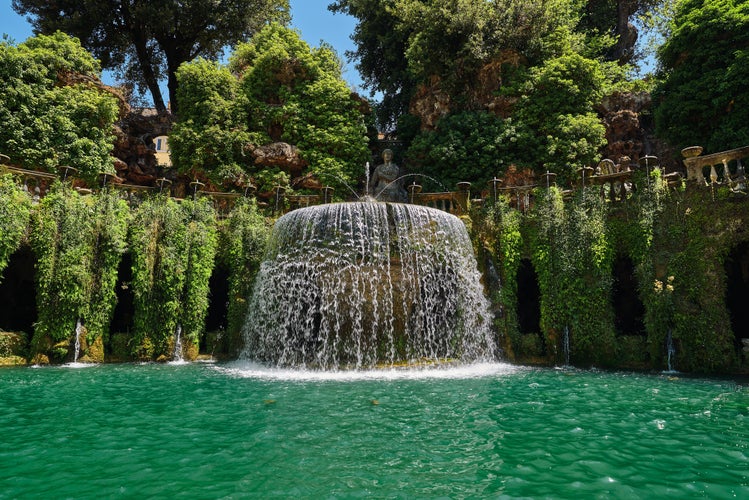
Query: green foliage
{"x":502,"y":236}
{"x":243,"y":239}
{"x":211,"y":134}
{"x":381,"y":43}
{"x":110,"y":219}
{"x":702,"y":99}
{"x":78,"y":242}
{"x":573,"y":256}
{"x":286,"y":92}
{"x":173,"y":246}
{"x":15,"y":212}
{"x":470,"y":146}
{"x":557,"y":101}
{"x":72,"y":122}
{"x":147,"y":41}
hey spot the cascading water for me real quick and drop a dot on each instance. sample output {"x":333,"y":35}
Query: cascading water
{"x":77,"y":345}
{"x":177,"y":356}
{"x":566,"y":346}
{"x":670,"y":351}
{"x":363,"y":284}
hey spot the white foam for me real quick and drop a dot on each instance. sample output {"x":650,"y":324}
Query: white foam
{"x":248,"y":369}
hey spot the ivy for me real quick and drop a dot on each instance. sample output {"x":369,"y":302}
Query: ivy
{"x":501,"y":233}
{"x":78,"y":242}
{"x":173,"y":248}
{"x":573,"y":256}
{"x":15,"y":212}
{"x":244,"y":236}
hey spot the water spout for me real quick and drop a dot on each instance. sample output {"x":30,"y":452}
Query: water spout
{"x":177,"y":356}
{"x":670,"y":351}
{"x":77,"y":346}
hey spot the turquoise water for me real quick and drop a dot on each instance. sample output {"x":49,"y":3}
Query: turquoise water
{"x":233,"y":431}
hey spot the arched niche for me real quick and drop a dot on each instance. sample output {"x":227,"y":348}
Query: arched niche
{"x":629,"y":311}
{"x":529,"y":298}
{"x":18,"y":311}
{"x":737,"y":291}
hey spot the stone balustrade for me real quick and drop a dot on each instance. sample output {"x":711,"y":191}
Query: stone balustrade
{"x":615,"y":182}
{"x":697,"y":164}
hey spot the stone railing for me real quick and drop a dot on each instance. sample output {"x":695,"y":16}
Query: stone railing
{"x":454,"y":202}
{"x":697,"y":165}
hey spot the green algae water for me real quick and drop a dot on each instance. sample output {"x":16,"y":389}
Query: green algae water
{"x":489,"y":431}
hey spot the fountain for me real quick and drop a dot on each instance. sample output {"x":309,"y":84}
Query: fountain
{"x":366,"y":284}
{"x":670,"y":352}
{"x":177,"y":356}
{"x":77,"y":344}
{"x":566,"y":346}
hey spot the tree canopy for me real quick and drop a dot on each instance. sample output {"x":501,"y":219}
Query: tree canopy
{"x":703,"y":98}
{"x":147,"y":40}
{"x":276,"y":89}
{"x":52,"y":112}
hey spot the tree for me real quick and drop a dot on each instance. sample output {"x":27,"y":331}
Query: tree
{"x":381,"y":43}
{"x":147,"y":40}
{"x":276,"y":89}
{"x":51,"y":109}
{"x":404,"y":43}
{"x":703,"y":98}
{"x":211,"y":133}
{"x":470,"y":146}
{"x":613,"y":20}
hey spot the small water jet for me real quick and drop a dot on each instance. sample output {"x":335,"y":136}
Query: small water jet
{"x":566,"y":346}
{"x":368,"y":284}
{"x":670,"y":352}
{"x":77,"y":345}
{"x":177,"y":356}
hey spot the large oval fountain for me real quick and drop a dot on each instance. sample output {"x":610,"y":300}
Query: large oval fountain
{"x":358,"y":285}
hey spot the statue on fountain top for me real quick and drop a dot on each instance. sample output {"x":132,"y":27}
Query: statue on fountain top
{"x":385,"y":184}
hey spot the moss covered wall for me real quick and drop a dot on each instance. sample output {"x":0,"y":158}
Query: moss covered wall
{"x":682,"y":247}
{"x":675,"y":259}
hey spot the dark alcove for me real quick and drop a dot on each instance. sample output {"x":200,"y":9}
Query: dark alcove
{"x":737,"y":290}
{"x":629,"y":311}
{"x":17,"y":293}
{"x":218,"y":303}
{"x":529,"y":299}
{"x":122,"y":318}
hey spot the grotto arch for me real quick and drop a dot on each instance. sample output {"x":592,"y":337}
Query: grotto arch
{"x":529,"y":298}
{"x":121,"y":326}
{"x":18,"y":311}
{"x":629,"y":311}
{"x":216,"y":320}
{"x":737,"y":290}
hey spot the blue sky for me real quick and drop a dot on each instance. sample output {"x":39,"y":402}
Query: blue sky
{"x":310,"y":17}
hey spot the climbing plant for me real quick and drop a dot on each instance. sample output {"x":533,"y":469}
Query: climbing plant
{"x":502,"y":237}
{"x":573,"y":256}
{"x":173,"y":246}
{"x":52,"y":112}
{"x":15,"y":211}
{"x":110,"y":219}
{"x":244,"y":236}
{"x":78,"y":241}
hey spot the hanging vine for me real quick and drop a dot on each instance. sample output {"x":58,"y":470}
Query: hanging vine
{"x":110,"y":223}
{"x":15,"y":213}
{"x":547,"y":223}
{"x":202,"y":243}
{"x":173,"y":247}
{"x":573,"y":256}
{"x":503,"y":239}
{"x":244,"y":236}
{"x":78,"y":242}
